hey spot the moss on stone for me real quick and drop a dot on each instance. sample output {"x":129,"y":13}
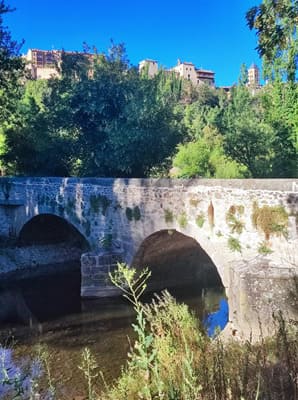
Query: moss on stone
{"x":99,"y":202}
{"x":133,"y":213}
{"x":128,"y":213}
{"x":169,"y":217}
{"x":136,"y":213}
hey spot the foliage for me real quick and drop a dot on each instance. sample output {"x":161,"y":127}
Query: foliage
{"x":200,"y":220}
{"x":247,"y":138}
{"x":99,"y":121}
{"x":98,"y":202}
{"x":234,"y":244}
{"x":168,"y":216}
{"x":161,"y":363}
{"x":272,"y":220}
{"x":133,"y":213}
{"x":182,"y":220}
{"x":173,"y":359}
{"x":88,"y":367}
{"x":11,"y":74}
{"x":275,"y":23}
{"x":233,"y":219}
{"x":264,"y":249}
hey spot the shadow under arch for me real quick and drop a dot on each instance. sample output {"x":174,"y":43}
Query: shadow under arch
{"x":178,"y":263}
{"x":176,"y":260}
{"x":50,"y":229}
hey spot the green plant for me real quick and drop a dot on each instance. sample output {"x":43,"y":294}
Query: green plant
{"x":161,"y":363}
{"x":47,"y":359}
{"x":233,"y":219}
{"x":200,"y":220}
{"x":107,"y":241}
{"x":133,"y":213}
{"x":129,"y":214}
{"x":136,"y":213}
{"x":182,"y":220}
{"x":168,"y":216}
{"x":272,"y":220}
{"x":234,"y":244}
{"x":98,"y":202}
{"x":88,"y":367}
{"x":264,"y":249}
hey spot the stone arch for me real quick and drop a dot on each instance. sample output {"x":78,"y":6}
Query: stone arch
{"x":164,"y":248}
{"x":48,"y":228}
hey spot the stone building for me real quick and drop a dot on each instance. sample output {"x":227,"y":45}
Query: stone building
{"x":253,"y":76}
{"x":185,"y":70}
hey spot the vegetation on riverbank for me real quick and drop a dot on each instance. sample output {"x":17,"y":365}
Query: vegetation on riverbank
{"x":171,"y":359}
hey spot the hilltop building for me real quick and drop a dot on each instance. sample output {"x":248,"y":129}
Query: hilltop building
{"x":186,"y":70}
{"x":43,"y":63}
{"x":150,"y":66}
{"x":253,"y":76}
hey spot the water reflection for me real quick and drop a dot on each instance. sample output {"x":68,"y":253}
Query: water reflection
{"x":66,"y":324}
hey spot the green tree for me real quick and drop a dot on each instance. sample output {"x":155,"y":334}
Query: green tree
{"x":275,"y":22}
{"x":11,"y":68}
{"x":205,"y":157}
{"x":280,"y":105}
{"x":100,"y":118}
{"x":248,"y":139}
{"x":11,"y":72}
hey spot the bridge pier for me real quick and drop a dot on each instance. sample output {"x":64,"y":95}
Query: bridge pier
{"x":95,"y":269}
{"x":258,"y":293}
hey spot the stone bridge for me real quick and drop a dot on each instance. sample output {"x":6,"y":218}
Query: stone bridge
{"x":246,"y":229}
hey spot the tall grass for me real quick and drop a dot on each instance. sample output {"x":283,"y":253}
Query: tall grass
{"x":173,"y":359}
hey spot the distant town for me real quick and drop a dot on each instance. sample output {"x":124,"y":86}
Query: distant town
{"x":42,"y":64}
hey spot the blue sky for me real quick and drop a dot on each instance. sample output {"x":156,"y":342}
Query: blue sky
{"x":210,"y":33}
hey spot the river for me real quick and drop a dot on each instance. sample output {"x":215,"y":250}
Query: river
{"x":66,"y":324}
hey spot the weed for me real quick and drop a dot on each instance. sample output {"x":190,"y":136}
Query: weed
{"x":99,"y":202}
{"x":200,"y":220}
{"x":88,"y":367}
{"x":233,"y":219}
{"x":272,"y":220}
{"x":182,"y":220}
{"x":234,"y":244}
{"x":133,"y":213}
{"x":169,"y":218}
{"x":107,"y":241}
{"x":264,"y":249}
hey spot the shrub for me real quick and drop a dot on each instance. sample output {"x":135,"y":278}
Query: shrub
{"x":272,"y":220}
